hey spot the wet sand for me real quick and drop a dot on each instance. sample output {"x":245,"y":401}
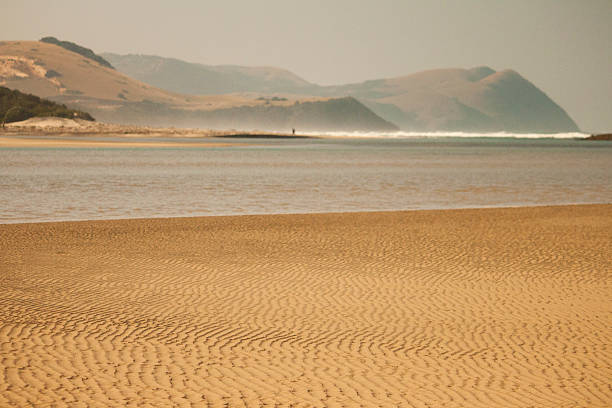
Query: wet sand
{"x":455,"y":308}
{"x":132,"y":141}
{"x":86,"y":142}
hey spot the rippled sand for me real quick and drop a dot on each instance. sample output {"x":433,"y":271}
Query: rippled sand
{"x":472,"y":308}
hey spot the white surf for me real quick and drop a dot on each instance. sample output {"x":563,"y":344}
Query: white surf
{"x":403,"y":134}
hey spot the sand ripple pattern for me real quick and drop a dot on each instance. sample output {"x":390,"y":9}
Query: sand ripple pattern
{"x":466,"y":308}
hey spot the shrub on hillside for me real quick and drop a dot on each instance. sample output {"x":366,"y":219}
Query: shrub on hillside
{"x":70,"y":46}
{"x":16,"y":106}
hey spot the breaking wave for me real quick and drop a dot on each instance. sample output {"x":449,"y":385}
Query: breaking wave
{"x":401,"y":134}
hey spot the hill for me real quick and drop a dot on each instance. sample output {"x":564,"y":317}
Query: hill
{"x":16,"y":106}
{"x":477,"y":99}
{"x":335,"y":114}
{"x":198,"y":79}
{"x":53,"y":72}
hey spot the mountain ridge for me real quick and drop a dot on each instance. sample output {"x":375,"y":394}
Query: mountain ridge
{"x":476,"y":99}
{"x":86,"y":52}
{"x":446,"y":99}
{"x":53,"y":72}
{"x":222,"y":79}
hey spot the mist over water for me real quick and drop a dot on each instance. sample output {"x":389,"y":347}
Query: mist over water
{"x":300,"y":176}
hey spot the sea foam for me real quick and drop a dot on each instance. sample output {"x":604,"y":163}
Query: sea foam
{"x":402,"y":134}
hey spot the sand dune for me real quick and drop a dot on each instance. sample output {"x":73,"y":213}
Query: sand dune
{"x":462,"y":308}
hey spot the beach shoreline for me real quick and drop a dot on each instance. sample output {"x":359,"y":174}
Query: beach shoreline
{"x":128,"y":137}
{"x":470,"y":307}
{"x":305,"y":213}
{"x":54,"y":129}
{"x":47,"y":131}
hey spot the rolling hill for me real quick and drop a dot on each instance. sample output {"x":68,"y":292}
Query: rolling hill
{"x":477,"y":99}
{"x":53,"y":72}
{"x":199,"y":79}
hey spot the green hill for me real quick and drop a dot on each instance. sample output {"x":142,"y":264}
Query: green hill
{"x":16,"y":106}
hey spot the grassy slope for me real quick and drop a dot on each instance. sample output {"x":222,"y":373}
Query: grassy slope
{"x":51,"y":71}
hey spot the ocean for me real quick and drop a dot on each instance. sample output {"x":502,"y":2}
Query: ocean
{"x":366,"y":173}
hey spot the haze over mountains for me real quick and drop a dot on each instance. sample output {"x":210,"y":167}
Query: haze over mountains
{"x":477,"y":99}
{"x":77,"y":80}
{"x":153,"y":90}
{"x":199,"y":79}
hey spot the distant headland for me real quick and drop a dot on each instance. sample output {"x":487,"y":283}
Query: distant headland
{"x":162,"y":92}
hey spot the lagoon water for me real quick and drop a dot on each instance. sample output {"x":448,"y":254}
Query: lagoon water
{"x":301,"y":176}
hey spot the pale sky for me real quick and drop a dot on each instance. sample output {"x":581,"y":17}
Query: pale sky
{"x":563,"y":46}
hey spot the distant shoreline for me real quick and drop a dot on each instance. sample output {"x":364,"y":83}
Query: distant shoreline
{"x":58,"y":127}
{"x":265,"y":136}
{"x":52,"y":126}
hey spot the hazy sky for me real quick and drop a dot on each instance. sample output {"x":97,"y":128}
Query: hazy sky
{"x":564,"y":47}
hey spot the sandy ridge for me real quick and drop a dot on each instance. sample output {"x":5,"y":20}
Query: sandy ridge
{"x":51,"y":132}
{"x":479,"y":308}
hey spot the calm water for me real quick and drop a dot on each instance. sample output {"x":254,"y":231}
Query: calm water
{"x":300,"y":176}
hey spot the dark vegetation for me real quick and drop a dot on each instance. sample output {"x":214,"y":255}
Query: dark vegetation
{"x":86,"y":52}
{"x":602,"y":136}
{"x":273,"y":99}
{"x":52,"y":74}
{"x":16,"y":106}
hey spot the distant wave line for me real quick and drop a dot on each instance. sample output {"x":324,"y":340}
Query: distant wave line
{"x":402,"y":134}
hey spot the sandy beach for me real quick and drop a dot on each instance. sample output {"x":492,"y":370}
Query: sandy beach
{"x":62,"y":132}
{"x":75,"y":133}
{"x":456,"y":308}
